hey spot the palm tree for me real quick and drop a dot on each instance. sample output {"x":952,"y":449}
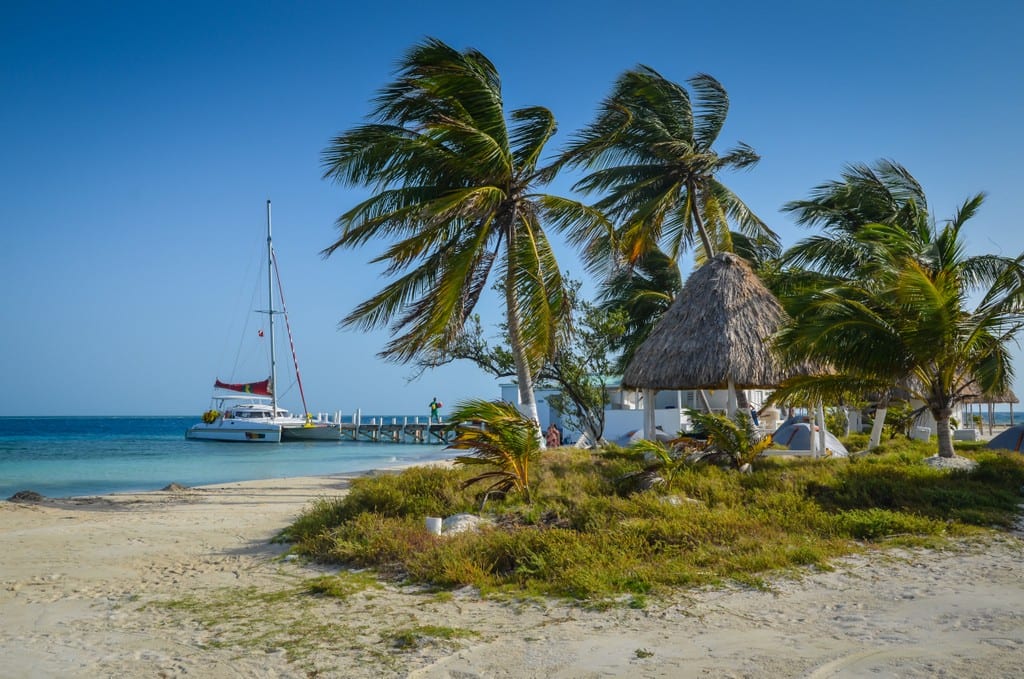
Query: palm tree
{"x":505,"y":440}
{"x":885,"y":193}
{"x":652,"y":150}
{"x":894,"y":309}
{"x":643,"y":292}
{"x":454,"y":195}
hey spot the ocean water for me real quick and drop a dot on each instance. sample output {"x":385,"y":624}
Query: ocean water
{"x":76,"y":456}
{"x":1001,"y":418}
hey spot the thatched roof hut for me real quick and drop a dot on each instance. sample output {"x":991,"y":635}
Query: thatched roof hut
{"x":1004,"y":397}
{"x":717,"y":329}
{"x":990,"y":401}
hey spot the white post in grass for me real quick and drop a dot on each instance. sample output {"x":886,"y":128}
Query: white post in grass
{"x":649,"y":415}
{"x":731,"y":402}
{"x":821,"y":428}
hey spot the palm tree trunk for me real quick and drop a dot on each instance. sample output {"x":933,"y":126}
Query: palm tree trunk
{"x":698,"y":221}
{"x":945,"y":437}
{"x":876,"y":428}
{"x":527,"y":400}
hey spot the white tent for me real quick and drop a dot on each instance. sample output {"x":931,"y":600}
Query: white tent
{"x":795,"y":434}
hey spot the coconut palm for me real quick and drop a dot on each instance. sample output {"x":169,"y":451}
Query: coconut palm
{"x":885,"y":193}
{"x":504,"y":439}
{"x":643,"y":292}
{"x":454,"y":199}
{"x":900,"y":315}
{"x":650,"y":149}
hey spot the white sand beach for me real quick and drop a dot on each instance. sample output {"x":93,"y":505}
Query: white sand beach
{"x":188,"y":583}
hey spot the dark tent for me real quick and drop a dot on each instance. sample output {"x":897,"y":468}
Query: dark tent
{"x":1011,"y":439}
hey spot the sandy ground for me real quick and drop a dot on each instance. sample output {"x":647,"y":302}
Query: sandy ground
{"x":189,"y":583}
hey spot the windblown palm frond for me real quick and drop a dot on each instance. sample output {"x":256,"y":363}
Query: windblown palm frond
{"x":644,"y":291}
{"x":650,"y":155}
{"x":499,"y":436}
{"x":895,"y":307}
{"x":454,"y":203}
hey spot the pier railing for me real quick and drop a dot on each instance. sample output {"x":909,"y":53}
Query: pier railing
{"x":390,"y":429}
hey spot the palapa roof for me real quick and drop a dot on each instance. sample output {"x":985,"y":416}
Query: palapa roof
{"x":1003,"y":397}
{"x":719,"y":326}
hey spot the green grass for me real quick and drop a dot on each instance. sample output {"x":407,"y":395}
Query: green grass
{"x":341,"y":586}
{"x":251,"y":618}
{"x":584,"y":537}
{"x":416,"y":637}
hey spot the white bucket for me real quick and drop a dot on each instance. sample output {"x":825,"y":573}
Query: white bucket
{"x":434,"y":525}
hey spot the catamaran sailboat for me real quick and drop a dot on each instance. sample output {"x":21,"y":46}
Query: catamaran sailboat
{"x":255,"y":416}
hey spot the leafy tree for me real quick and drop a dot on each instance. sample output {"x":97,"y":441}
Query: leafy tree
{"x":454,"y":198}
{"x":651,"y":152}
{"x":581,"y":366}
{"x":893,"y":304}
{"x":500,"y":437}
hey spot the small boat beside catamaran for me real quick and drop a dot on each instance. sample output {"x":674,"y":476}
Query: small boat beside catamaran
{"x":249,"y":412}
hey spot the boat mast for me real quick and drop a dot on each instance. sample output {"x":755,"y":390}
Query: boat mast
{"x":270,"y":299}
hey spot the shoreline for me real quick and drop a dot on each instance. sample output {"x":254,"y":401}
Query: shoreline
{"x":98,"y":587}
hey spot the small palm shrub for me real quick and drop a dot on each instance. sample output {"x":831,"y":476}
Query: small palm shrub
{"x":735,"y":438}
{"x":500,"y":437}
{"x":666,"y":462}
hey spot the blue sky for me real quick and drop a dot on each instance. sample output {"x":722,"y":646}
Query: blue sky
{"x":141,"y":141}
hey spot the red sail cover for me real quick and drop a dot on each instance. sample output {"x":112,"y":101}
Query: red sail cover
{"x":263,"y":388}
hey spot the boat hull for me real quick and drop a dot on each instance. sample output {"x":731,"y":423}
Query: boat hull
{"x":235,"y":431}
{"x":316,"y":432}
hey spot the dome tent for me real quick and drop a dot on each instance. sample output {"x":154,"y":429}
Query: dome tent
{"x":795,"y":434}
{"x":1011,"y":439}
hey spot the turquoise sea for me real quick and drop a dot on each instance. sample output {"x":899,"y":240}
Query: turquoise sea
{"x":75,"y":456}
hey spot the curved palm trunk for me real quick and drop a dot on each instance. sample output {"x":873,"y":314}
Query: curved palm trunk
{"x":709,"y":249}
{"x":527,"y":400}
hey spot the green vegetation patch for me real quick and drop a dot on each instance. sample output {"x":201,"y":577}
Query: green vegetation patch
{"x":255,"y":619}
{"x":421,"y":635}
{"x":585,"y":536}
{"x":342,"y":585}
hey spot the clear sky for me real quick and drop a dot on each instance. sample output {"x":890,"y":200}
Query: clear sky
{"x":142,"y":139}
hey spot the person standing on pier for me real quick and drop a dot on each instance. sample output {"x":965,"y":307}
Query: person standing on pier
{"x":435,"y":410}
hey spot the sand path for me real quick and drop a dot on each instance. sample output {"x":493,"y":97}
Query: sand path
{"x":172,"y":584}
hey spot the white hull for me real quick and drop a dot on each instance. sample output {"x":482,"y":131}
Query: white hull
{"x":235,"y":430}
{"x":316,"y":432}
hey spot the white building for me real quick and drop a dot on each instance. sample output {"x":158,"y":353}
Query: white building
{"x":624,"y":414}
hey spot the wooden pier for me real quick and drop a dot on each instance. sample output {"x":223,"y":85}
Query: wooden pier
{"x":393,"y":429}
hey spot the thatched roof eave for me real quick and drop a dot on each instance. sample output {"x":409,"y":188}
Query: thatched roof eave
{"x":720,"y":327}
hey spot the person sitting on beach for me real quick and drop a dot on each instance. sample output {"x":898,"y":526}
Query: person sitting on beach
{"x":553,"y":439}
